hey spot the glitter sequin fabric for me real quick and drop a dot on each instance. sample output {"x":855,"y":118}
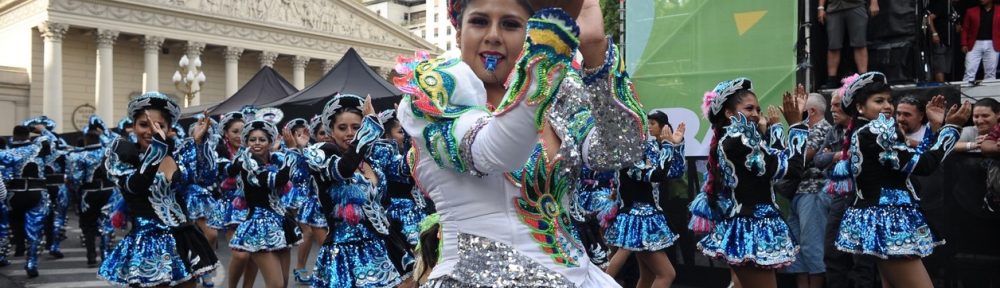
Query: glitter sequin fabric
{"x":641,"y":228}
{"x":148,"y":257}
{"x":200,"y":203}
{"x":405,"y":212}
{"x":301,"y":183}
{"x":354,"y":257}
{"x":485,"y":263}
{"x":265,"y":230}
{"x":893,"y":229}
{"x":311,"y":214}
{"x":760,"y":240}
{"x":232,"y":214}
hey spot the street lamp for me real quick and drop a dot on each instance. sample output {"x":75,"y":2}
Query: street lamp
{"x":188,"y":78}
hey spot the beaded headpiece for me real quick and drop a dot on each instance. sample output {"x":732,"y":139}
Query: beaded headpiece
{"x":124,"y":122}
{"x":714,"y":99}
{"x":339,"y":102}
{"x":249,"y":111}
{"x":155,"y":100}
{"x":296,"y":123}
{"x":854,"y":84}
{"x":315,"y":124}
{"x":270,"y":114}
{"x":94,"y":122}
{"x":230,"y":117}
{"x":44,"y":120}
{"x":267,"y":127}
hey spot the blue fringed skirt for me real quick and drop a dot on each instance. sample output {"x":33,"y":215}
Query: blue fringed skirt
{"x":761,"y":240}
{"x":405,"y":211}
{"x":893,"y":229}
{"x":354,"y":256}
{"x":311,"y":214}
{"x":154,"y":254}
{"x":265,"y":230}
{"x":640,"y":228}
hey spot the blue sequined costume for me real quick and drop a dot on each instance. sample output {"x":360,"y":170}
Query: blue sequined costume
{"x":641,"y":224}
{"x":226,"y":213}
{"x":22,"y":166}
{"x":198,"y":199}
{"x":88,"y":178}
{"x":266,"y":228}
{"x":750,"y":230}
{"x":55,"y":162}
{"x":302,"y":196}
{"x":885,"y":220}
{"x":360,"y":251}
{"x":163,"y":247}
{"x":402,"y":206}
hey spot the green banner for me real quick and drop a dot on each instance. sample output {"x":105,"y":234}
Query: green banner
{"x":678,"y":49}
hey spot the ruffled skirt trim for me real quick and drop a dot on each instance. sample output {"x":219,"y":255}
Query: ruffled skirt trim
{"x":887,"y":232}
{"x":265,"y":230}
{"x":641,"y":228}
{"x":761,"y":240}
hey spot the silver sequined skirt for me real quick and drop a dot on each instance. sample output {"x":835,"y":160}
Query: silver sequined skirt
{"x":487,"y":263}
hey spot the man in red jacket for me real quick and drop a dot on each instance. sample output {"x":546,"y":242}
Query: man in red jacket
{"x":981,"y":40}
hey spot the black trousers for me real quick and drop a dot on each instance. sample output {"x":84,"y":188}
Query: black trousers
{"x":91,"y":216}
{"x":845,"y":270}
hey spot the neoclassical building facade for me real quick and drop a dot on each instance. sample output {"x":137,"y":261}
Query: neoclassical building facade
{"x":70,"y":58}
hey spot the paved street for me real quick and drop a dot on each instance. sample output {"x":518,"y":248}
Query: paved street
{"x":72,"y":270}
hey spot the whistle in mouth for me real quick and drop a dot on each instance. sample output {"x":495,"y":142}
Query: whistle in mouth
{"x":491,"y":62}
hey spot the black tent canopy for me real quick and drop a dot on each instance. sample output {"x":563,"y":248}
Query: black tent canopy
{"x":351,"y":75}
{"x":265,"y":87}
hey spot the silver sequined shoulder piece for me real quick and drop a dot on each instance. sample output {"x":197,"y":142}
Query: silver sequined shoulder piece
{"x":487,"y":263}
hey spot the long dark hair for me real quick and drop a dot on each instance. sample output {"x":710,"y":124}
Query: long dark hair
{"x":719,"y":120}
{"x":429,"y":242}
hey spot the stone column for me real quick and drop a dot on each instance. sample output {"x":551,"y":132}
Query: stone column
{"x":151,"y":45}
{"x":299,"y":64}
{"x":328,"y":65}
{"x":193,"y":51}
{"x":105,"y":91}
{"x":52,"y":94}
{"x":267,"y":58}
{"x":232,"y":55}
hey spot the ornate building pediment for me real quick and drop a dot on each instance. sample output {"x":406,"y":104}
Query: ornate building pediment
{"x":334,"y":17}
{"x":296,"y":27}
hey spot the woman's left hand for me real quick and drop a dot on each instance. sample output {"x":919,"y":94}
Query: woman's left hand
{"x":156,"y":127}
{"x":289,"y":139}
{"x":673,"y":136}
{"x":774,"y":116}
{"x":201,"y":129}
{"x":368,"y":108}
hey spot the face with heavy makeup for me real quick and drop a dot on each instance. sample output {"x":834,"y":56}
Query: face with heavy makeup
{"x":259,"y":143}
{"x":343,"y":128}
{"x":143,"y":127}
{"x":494,"y":28}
